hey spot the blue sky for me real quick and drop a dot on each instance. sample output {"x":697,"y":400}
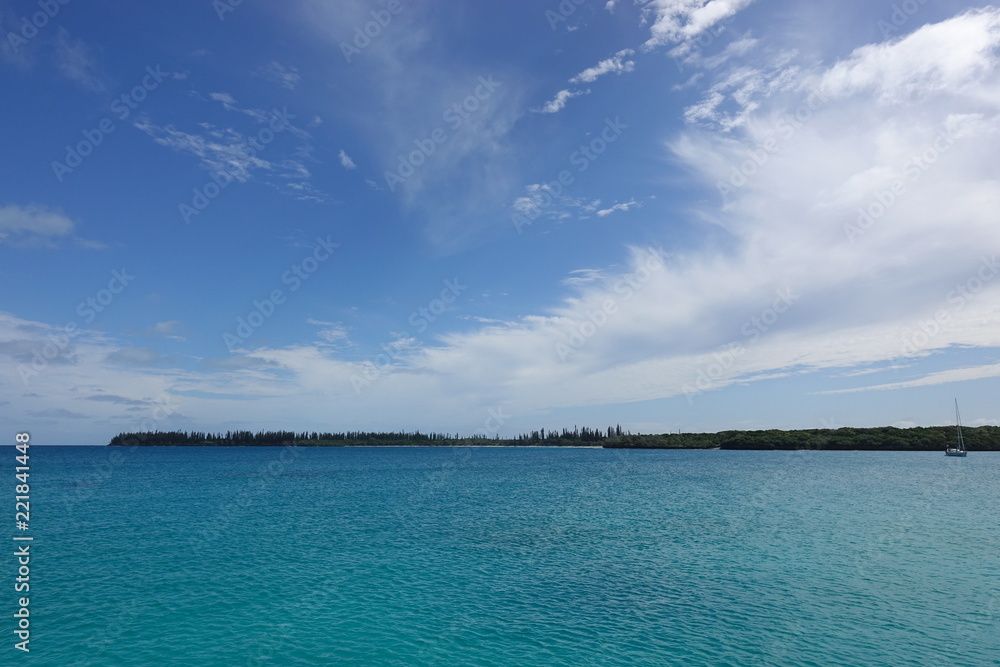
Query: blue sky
{"x":675,"y":214}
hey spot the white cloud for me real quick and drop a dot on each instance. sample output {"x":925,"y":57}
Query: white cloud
{"x":940,"y":377}
{"x":76,"y":61}
{"x":394,"y":104}
{"x":229,"y":103}
{"x":682,"y":20}
{"x":559,"y":101}
{"x":787,"y":222}
{"x":579,"y":277}
{"x":227,"y":100}
{"x":731,"y":101}
{"x":624,"y":206}
{"x":173,"y":329}
{"x":616,"y":63}
{"x":221,"y":151}
{"x":35,"y":226}
{"x":331,"y":333}
{"x":871,"y":371}
{"x":935,"y":59}
{"x":32,"y":225}
{"x":285,"y":76}
{"x":804,"y":171}
{"x":541,"y":200}
{"x":135,"y":356}
{"x":686,"y":53}
{"x":533,"y":200}
{"x":227,"y":152}
{"x":346,"y":160}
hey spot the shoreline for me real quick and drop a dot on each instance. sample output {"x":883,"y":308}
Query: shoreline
{"x":678,"y":449}
{"x":886,"y":438}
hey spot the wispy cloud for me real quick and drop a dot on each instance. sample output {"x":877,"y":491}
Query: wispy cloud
{"x":683,"y":20}
{"x":35,"y":226}
{"x":936,"y":59}
{"x":558,"y":102}
{"x":136,"y":356}
{"x":541,"y":200}
{"x":55,"y":414}
{"x":285,"y":76}
{"x":76,"y":61}
{"x":331,"y":333}
{"x":940,"y":377}
{"x":644,"y":325}
{"x":346,"y":161}
{"x":117,"y":400}
{"x":624,"y":206}
{"x":739,"y":91}
{"x":580,"y":277}
{"x":220,"y":150}
{"x":32,"y":225}
{"x":617,"y":64}
{"x":172,"y":329}
{"x":226,"y":151}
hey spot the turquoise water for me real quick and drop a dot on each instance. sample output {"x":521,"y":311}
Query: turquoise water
{"x":266,"y":556}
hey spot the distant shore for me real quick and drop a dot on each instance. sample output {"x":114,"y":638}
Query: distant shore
{"x":884,"y":438}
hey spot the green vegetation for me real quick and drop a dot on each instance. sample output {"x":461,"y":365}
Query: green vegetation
{"x":576,"y":438}
{"x":887,"y":438}
{"x":934,"y":438}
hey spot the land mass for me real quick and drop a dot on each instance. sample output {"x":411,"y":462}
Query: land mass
{"x":884,"y":438}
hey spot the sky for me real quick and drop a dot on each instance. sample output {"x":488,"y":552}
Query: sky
{"x":494,"y":217}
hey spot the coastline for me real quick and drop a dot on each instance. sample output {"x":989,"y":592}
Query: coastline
{"x":929,"y":439}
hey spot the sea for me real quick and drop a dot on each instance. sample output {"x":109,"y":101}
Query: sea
{"x":507,"y":556}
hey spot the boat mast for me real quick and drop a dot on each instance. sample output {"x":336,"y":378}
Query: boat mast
{"x":958,"y":421}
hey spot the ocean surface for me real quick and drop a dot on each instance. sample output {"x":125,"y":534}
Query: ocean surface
{"x":483,"y":556}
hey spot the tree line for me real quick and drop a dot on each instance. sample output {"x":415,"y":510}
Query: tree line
{"x":888,"y":438}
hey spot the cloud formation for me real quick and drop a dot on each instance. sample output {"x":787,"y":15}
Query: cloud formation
{"x":683,"y":20}
{"x":346,"y":161}
{"x":617,"y":64}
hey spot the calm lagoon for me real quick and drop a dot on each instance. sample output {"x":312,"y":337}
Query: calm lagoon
{"x":508,"y":556}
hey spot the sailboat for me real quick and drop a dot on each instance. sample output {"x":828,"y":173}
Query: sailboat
{"x":959,"y":448}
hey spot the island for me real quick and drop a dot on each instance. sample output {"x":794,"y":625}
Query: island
{"x":883,"y":438}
